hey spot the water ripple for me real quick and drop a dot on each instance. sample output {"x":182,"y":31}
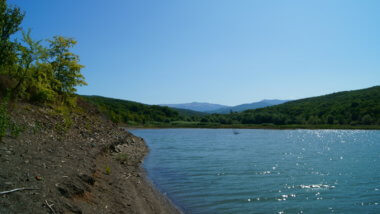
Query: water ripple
{"x":266,"y":171}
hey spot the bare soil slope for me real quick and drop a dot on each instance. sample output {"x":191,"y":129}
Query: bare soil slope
{"x":77,"y":163}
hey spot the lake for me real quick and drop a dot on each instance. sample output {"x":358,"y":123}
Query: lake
{"x":266,"y":171}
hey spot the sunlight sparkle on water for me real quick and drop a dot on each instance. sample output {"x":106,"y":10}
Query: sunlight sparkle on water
{"x":268,"y":171}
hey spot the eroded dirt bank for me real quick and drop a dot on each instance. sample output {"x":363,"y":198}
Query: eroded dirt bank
{"x":75,"y":163}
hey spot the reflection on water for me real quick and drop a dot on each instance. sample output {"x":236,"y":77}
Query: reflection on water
{"x":266,"y":171}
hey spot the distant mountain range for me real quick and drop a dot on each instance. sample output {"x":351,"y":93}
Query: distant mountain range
{"x":247,"y":106}
{"x":197,"y":106}
{"x":222,"y":109}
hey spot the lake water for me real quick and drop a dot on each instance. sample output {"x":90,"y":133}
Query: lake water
{"x":266,"y":171}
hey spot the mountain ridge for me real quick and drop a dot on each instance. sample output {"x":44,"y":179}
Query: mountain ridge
{"x":248,"y":106}
{"x":212,"y":108}
{"x":196,"y":106}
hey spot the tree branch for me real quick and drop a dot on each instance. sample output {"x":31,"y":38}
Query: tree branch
{"x":17,"y":189}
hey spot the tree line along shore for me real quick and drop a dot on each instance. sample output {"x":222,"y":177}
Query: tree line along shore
{"x":357,"y":109}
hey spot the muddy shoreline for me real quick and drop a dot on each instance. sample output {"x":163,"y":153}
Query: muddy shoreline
{"x":91,"y":166}
{"x":158,"y":194}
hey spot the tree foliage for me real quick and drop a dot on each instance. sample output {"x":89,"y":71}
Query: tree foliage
{"x":10,"y":20}
{"x":65,"y":65}
{"x":359,"y":107}
{"x":122,"y":111}
{"x":31,"y":71}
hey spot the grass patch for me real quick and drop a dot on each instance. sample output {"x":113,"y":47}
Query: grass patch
{"x":7,"y":127}
{"x":108,"y":170}
{"x":122,"y":157}
{"x":64,"y":112}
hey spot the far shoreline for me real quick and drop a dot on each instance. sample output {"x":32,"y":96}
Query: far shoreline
{"x":269,"y":127}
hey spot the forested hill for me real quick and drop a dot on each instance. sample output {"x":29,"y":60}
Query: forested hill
{"x":349,"y":108}
{"x":345,"y":108}
{"x":134,"y":113}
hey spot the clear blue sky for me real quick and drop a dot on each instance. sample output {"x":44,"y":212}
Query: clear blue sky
{"x":220,"y":51}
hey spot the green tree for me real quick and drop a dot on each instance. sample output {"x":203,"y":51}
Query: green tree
{"x":330,"y":119}
{"x":31,"y":71}
{"x":65,"y":65}
{"x":10,"y":20}
{"x":367,"y":119}
{"x":30,"y":53}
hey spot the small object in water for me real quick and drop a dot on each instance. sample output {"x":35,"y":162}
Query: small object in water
{"x":235,"y":132}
